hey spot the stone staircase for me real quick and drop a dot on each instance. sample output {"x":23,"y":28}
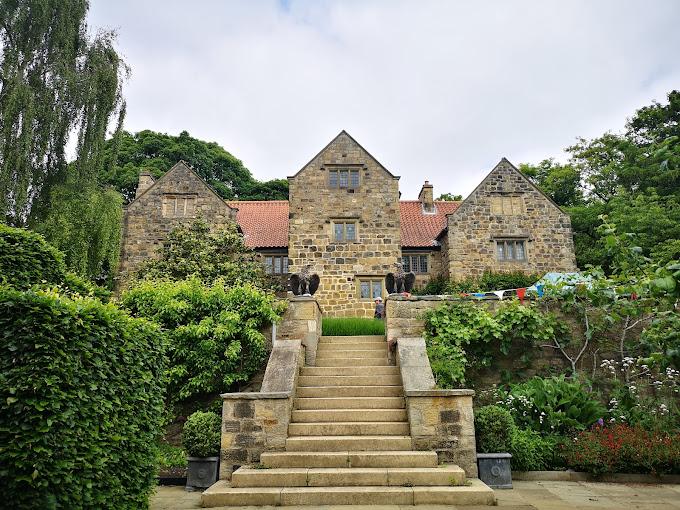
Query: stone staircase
{"x":348,"y":442}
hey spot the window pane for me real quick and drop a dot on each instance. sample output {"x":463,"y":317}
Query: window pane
{"x":414,"y":263}
{"x":268,"y":265}
{"x":510,"y":247}
{"x":365,"y":290}
{"x":343,"y":178}
{"x":350,"y":233}
{"x":333,"y":178}
{"x":339,"y":231}
{"x":501,"y":250}
{"x":423,"y":263}
{"x":377,"y":289}
{"x":520,"y":250}
{"x":354,"y":176}
{"x":277,"y":265}
{"x":285,"y":265}
{"x":406,"y":262}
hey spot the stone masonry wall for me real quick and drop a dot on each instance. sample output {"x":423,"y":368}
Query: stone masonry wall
{"x":507,"y":206}
{"x":302,"y":321}
{"x":315,"y":206}
{"x":179,"y":195}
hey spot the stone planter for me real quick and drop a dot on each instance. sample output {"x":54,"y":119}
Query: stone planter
{"x":494,"y":470}
{"x":202,"y":472}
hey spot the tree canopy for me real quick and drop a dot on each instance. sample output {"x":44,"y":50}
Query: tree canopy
{"x":633,"y":177}
{"x":158,"y":152}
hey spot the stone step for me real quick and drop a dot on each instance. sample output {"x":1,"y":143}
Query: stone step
{"x":221,"y":494}
{"x":351,"y":362}
{"x":361,"y":428}
{"x":350,"y":403}
{"x":352,"y":339}
{"x":326,"y":371}
{"x":364,"y":346}
{"x":343,"y":354}
{"x":349,"y":380}
{"x":350,"y":391}
{"x":341,"y":443}
{"x":343,"y":477}
{"x":348,"y":415}
{"x":352,"y":459}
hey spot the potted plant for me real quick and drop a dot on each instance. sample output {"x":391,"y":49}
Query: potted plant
{"x":201,"y":439}
{"x":494,"y":430}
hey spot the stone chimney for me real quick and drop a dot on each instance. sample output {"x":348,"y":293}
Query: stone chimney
{"x":426,"y":196}
{"x":145,"y":182}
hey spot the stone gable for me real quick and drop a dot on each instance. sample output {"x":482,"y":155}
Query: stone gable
{"x":179,"y":195}
{"x":507,"y":224}
{"x":344,"y":220}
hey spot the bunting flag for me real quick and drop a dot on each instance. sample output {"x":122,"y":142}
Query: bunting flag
{"x":539,"y":289}
{"x":463,"y":294}
{"x":520,"y":294}
{"x":499,"y":293}
{"x":480,"y":294}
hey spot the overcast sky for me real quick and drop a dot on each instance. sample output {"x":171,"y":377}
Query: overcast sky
{"x":434,"y":90}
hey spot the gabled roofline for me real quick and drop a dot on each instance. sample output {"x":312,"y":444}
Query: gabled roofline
{"x":343,"y":132}
{"x":523,"y":177}
{"x":181,"y":162}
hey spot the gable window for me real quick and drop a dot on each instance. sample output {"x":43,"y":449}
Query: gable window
{"x":344,"y":230}
{"x":415,"y":263}
{"x":369,"y":287}
{"x":179,"y":205}
{"x":343,"y":178}
{"x":276,"y":264}
{"x":510,"y":249}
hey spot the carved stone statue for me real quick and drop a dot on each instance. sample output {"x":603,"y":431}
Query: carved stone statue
{"x":399,"y":281}
{"x":303,"y":283}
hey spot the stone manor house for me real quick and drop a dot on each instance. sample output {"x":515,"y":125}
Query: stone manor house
{"x":345,"y":218}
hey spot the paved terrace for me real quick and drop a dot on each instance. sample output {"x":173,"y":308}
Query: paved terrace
{"x":526,"y":495}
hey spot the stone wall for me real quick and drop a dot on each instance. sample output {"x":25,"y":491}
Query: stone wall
{"x":178,"y":196}
{"x":440,"y":420}
{"x":506,"y":206}
{"x":372,"y":207}
{"x":302,"y":321}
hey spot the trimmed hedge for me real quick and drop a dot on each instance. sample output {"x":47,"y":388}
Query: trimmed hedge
{"x":26,"y":259}
{"x":80,"y":402}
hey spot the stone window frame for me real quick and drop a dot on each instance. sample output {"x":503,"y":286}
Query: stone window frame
{"x":514,"y":242}
{"x":344,"y":221}
{"x":352,"y":170}
{"x":270,"y":263}
{"x":189,"y":199}
{"x":371,"y":280}
{"x":408,"y":265}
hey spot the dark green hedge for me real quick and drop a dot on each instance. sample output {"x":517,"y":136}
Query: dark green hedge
{"x":80,"y":402}
{"x":26,"y":259}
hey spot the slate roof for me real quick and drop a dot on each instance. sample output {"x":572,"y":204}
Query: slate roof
{"x":419,"y":229}
{"x":265,"y":224}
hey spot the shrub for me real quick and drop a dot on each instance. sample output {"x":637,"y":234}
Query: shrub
{"x":171,"y":456}
{"x":352,"y":326}
{"x":552,"y":406}
{"x":494,"y":429}
{"x":80,"y":402}
{"x":489,"y":281}
{"x":620,"y":448}
{"x":201,"y":434}
{"x":213,"y":332}
{"x":530,"y":451}
{"x":27,"y":260}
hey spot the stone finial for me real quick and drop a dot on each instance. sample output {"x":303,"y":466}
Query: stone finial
{"x":426,"y":196}
{"x":145,"y":182}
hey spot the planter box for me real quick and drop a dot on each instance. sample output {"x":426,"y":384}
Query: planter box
{"x":202,"y":472}
{"x":494,"y":470}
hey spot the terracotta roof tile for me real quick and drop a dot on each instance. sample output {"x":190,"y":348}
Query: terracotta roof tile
{"x":418,"y":229}
{"x":265,"y":224}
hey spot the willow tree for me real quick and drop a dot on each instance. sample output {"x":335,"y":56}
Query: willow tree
{"x":58,"y":84}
